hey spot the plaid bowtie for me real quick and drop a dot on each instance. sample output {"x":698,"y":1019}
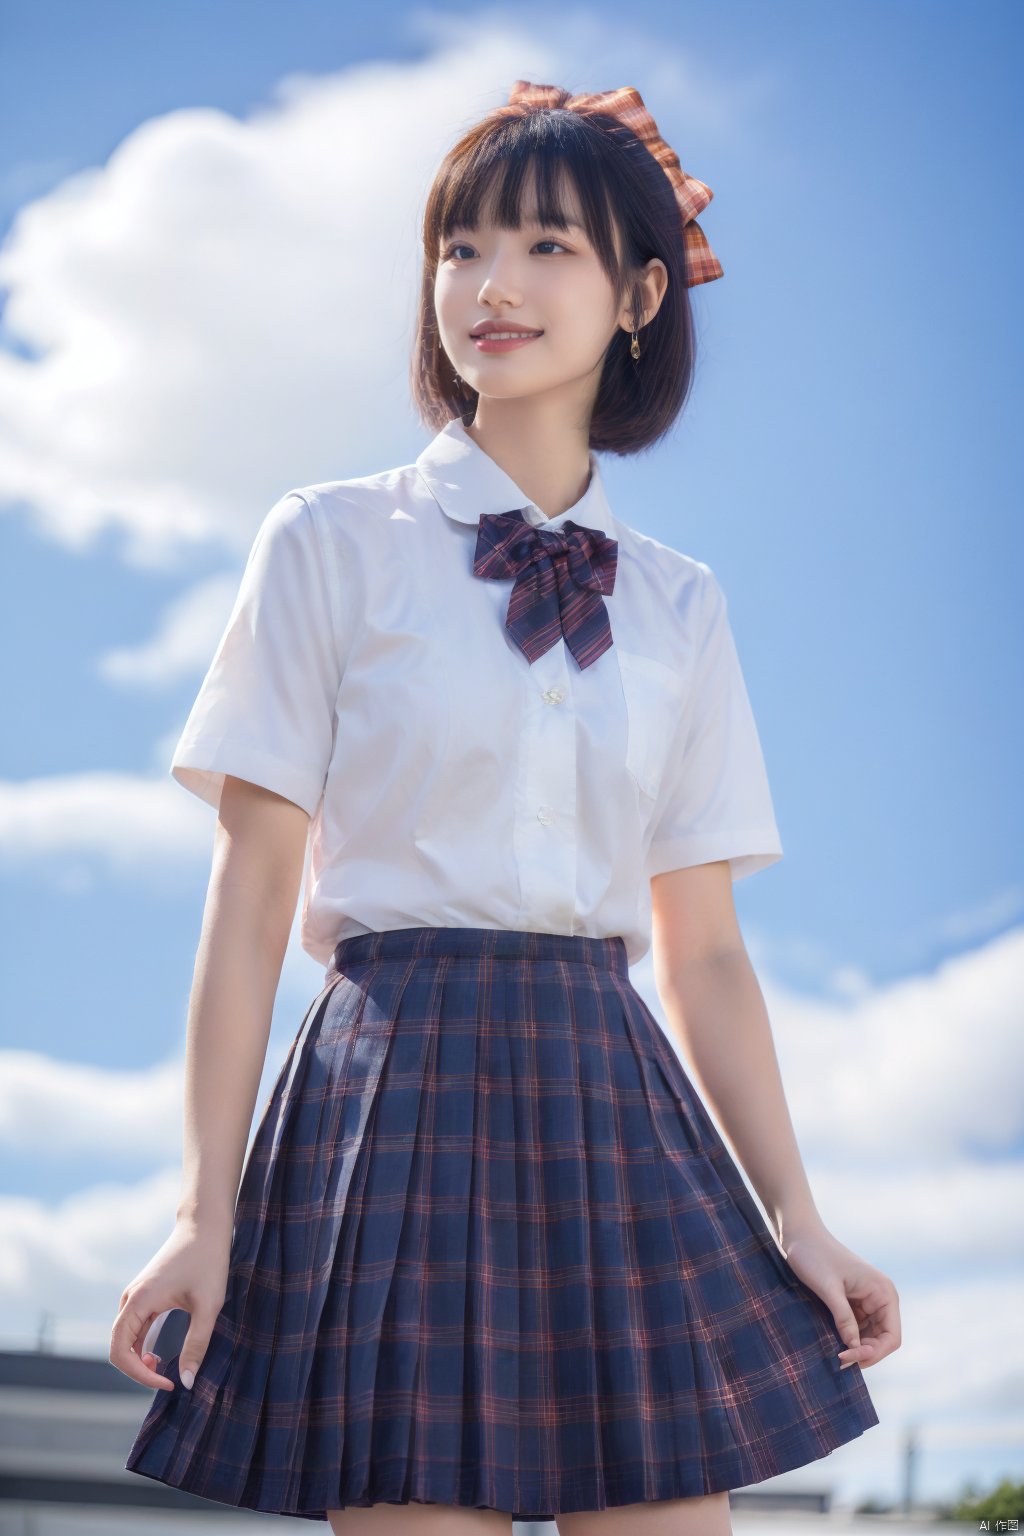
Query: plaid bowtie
{"x":560,"y":576}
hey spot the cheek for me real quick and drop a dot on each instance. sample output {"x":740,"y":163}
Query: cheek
{"x":583,"y":326}
{"x":583,"y":299}
{"x":444,"y":294}
{"x":453,"y":301}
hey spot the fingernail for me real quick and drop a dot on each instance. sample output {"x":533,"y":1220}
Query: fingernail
{"x":846,"y":1365}
{"x":187,"y":1378}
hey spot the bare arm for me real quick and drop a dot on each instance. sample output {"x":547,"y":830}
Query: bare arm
{"x":258,"y":850}
{"x":714,"y":1006}
{"x":259,"y":845}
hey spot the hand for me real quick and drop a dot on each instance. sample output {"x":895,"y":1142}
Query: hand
{"x":190,"y":1271}
{"x":863,"y":1300}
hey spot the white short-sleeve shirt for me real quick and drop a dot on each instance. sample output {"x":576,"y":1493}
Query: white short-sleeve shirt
{"x":366,"y":674}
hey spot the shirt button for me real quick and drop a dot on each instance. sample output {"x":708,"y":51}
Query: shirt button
{"x":554,"y":695}
{"x":545,"y":815}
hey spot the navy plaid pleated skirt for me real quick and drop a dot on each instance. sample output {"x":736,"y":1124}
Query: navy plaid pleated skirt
{"x":489,"y":1249}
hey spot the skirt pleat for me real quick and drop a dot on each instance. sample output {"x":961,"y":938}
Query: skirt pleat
{"x":490,"y":1250}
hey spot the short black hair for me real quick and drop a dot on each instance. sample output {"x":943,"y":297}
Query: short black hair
{"x":620,"y":186}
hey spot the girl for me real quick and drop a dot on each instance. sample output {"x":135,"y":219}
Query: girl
{"x":490,"y":1258}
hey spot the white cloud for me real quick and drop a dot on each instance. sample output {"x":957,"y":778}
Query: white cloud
{"x":58,"y":1110}
{"x":64,"y":1263}
{"x":185,"y":639}
{"x":917,"y":1070}
{"x":955,"y":1218}
{"x":914,"y":1074}
{"x":112,"y":823}
{"x":226,"y":307}
{"x":72,"y":1259}
{"x":71,"y":1108}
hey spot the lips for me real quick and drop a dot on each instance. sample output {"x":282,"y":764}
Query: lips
{"x":501,"y":330}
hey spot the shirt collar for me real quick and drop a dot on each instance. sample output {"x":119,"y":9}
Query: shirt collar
{"x":466,"y":482}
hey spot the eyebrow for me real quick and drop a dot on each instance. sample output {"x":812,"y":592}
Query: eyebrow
{"x":535,"y":223}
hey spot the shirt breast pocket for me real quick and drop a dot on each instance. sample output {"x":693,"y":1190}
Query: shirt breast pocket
{"x":654,"y":697}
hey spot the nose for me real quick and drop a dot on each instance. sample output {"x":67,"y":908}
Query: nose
{"x":498,"y":289}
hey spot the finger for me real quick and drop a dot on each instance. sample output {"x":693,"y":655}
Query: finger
{"x":873,"y":1348}
{"x":193,"y":1350}
{"x":881,"y":1344}
{"x":887,"y":1323}
{"x":846,"y":1322}
{"x":125,"y":1332}
{"x":868,"y":1292}
{"x":882,"y":1328}
{"x":864,"y":1356}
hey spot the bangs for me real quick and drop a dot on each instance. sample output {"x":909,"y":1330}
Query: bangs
{"x":519,"y":176}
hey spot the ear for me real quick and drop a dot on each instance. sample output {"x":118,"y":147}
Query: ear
{"x":646,"y":295}
{"x":655,"y":286}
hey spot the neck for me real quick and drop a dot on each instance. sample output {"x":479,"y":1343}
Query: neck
{"x":547,"y":458}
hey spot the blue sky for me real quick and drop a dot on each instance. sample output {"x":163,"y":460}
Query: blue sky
{"x":207,"y":279}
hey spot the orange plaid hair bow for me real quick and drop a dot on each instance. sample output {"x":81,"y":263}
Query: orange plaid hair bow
{"x":626,"y":104}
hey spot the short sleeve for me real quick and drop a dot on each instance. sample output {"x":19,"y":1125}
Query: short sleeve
{"x":265,"y":710}
{"x":715,"y":801}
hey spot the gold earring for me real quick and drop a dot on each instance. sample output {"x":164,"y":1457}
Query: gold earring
{"x":634,"y":350}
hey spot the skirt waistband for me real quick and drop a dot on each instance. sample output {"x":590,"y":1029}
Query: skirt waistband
{"x":478,"y":943}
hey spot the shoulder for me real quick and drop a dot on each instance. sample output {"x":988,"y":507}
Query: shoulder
{"x":680,"y":581}
{"x":285,"y":536}
{"x":361,"y":510}
{"x":367,"y":495}
{"x":665,"y":561}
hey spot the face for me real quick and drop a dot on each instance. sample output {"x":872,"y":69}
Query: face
{"x":537,"y":276}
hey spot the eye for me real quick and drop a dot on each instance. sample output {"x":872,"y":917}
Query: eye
{"x":459,"y":246}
